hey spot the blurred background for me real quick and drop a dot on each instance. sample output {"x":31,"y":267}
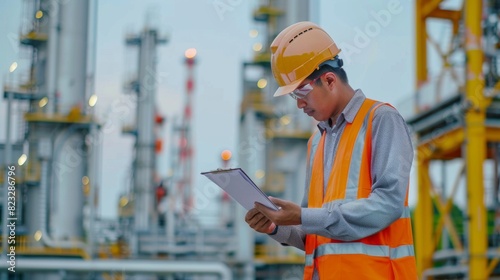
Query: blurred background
{"x":111,"y":109}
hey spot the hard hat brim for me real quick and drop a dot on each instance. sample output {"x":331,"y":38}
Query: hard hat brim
{"x":284,"y":90}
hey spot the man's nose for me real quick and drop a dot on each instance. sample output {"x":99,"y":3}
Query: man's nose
{"x":301,"y":103}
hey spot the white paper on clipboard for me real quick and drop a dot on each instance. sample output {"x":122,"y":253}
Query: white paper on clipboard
{"x":240,"y":187}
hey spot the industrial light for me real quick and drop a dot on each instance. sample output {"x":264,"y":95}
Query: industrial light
{"x":190,"y":53}
{"x":43,"y":102}
{"x":259,"y":174}
{"x":262,"y":83}
{"x":13,"y":67}
{"x":285,"y":120}
{"x":226,"y":155}
{"x":123,"y":201}
{"x":22,"y":159}
{"x":38,"y":235}
{"x":92,"y":100}
{"x":254,"y":33}
{"x":39,"y":14}
{"x":257,"y":47}
{"x":85,"y":180}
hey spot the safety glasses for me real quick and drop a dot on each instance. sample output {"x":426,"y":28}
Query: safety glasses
{"x":303,"y":91}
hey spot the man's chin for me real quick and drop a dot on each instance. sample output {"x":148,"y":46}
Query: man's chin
{"x":319,"y":119}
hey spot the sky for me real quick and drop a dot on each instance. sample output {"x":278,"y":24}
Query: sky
{"x":219,"y":39}
{"x":223,"y":43}
{"x":376,"y":38}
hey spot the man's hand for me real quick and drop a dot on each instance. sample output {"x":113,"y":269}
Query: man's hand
{"x":259,"y":222}
{"x":289,"y":213}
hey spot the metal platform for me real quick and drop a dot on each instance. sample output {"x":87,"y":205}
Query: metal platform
{"x":448,"y":116}
{"x":20,"y":94}
{"x":33,"y":38}
{"x":72,"y":117}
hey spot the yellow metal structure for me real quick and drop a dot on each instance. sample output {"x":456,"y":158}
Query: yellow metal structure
{"x":74,"y":116}
{"x":33,"y":37}
{"x":27,"y":246}
{"x":467,"y":141}
{"x":475,"y":146}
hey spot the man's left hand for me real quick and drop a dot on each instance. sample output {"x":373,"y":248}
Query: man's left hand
{"x":289,"y":213}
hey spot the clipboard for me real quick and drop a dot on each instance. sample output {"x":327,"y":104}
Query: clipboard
{"x":240,"y":187}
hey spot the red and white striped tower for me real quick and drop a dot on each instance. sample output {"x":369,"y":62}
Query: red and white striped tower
{"x":185,"y":145}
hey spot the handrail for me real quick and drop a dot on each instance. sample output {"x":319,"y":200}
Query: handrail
{"x":123,"y":266}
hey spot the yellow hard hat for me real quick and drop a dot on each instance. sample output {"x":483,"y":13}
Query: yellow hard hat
{"x":297,"y":51}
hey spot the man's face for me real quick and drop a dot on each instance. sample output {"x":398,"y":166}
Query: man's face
{"x":317,"y":103}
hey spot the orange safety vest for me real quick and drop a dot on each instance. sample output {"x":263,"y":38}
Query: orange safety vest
{"x":387,"y":254}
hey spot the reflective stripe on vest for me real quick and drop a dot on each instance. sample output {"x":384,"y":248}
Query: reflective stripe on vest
{"x":360,"y":248}
{"x":355,"y":166}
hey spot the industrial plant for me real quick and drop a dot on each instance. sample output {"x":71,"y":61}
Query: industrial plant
{"x":51,"y":148}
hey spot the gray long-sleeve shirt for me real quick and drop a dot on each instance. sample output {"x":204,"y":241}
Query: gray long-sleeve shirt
{"x":392,"y":155}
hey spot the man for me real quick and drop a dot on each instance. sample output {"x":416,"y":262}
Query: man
{"x":354,"y":221}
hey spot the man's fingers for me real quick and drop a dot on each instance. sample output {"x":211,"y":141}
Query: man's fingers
{"x":259,"y":222}
{"x":266,"y":226}
{"x":250,"y":214}
{"x":270,"y":213}
{"x":261,"y":208}
{"x":263,"y":223}
{"x":253,"y":222}
{"x":288,"y":214}
{"x":278,"y":202}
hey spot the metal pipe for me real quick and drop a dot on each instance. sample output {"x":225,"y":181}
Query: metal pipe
{"x":444,"y":238}
{"x":53,"y":49}
{"x":46,"y":239}
{"x":58,"y":147}
{"x":94,"y":160}
{"x":170,"y":218}
{"x":45,"y":154}
{"x":73,"y":38}
{"x":185,"y":249}
{"x":8,"y":155}
{"x":445,"y":270}
{"x":124,"y":266}
{"x":144,"y":156}
{"x":475,"y":141}
{"x":94,"y":157}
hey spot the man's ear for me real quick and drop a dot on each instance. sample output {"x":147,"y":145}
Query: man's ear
{"x":331,"y":80}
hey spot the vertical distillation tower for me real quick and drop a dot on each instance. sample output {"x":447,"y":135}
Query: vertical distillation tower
{"x":54,"y":134}
{"x":144,"y":162}
{"x":57,"y":174}
{"x":273,"y":133}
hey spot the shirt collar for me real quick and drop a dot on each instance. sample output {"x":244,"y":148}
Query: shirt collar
{"x":349,"y":112}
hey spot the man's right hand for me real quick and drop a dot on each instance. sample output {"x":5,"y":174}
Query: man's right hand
{"x":259,"y":222}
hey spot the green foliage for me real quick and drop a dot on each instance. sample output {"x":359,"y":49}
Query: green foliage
{"x":458,"y":217}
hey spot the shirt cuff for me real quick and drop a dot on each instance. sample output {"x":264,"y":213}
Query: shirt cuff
{"x":275,"y":230}
{"x":313,"y":220}
{"x":282,"y":234}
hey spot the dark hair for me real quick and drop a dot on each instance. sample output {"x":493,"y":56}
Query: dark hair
{"x":338,"y":71}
